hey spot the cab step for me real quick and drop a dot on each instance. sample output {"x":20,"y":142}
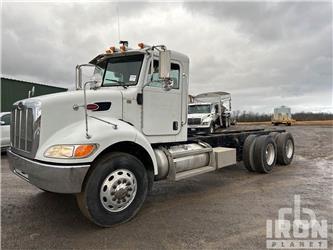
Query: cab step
{"x":193,"y":172}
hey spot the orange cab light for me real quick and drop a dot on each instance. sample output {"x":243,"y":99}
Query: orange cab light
{"x":141,"y":45}
{"x":122,"y":49}
{"x":110,"y":50}
{"x":84,"y":150}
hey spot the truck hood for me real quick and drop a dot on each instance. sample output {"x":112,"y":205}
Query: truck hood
{"x":57,"y":110}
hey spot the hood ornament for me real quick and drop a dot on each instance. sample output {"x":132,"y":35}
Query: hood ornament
{"x":20,"y":106}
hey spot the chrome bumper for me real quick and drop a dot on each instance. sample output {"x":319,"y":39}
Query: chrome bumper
{"x":53,"y":178}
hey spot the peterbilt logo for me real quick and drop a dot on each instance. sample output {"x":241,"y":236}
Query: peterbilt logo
{"x":20,"y":106}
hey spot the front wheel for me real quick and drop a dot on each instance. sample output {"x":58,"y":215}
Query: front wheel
{"x":114,"y":190}
{"x":211,"y":128}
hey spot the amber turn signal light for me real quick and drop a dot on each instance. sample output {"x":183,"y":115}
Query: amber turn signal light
{"x":82,"y":151}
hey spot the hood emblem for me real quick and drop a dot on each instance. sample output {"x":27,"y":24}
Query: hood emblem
{"x":20,"y":106}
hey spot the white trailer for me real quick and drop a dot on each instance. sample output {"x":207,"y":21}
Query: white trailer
{"x":109,"y":140}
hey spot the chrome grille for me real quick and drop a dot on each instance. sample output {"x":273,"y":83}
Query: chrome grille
{"x":194,"y":121}
{"x":24,"y":129}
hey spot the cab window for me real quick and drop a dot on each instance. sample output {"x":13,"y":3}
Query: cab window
{"x":121,"y":71}
{"x":174,"y":75}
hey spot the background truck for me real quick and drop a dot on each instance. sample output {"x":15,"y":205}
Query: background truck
{"x":109,"y":140}
{"x":208,"y":112}
{"x":282,"y":115}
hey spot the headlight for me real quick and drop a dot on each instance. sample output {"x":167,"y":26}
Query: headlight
{"x":70,"y":151}
{"x":206,"y":121}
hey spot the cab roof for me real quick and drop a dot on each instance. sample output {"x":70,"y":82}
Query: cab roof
{"x":101,"y":57}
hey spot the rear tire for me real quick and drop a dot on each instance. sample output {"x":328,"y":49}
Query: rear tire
{"x":274,"y":135}
{"x":114,"y":190}
{"x":248,"y":153}
{"x":264,"y":154}
{"x":285,"y":148}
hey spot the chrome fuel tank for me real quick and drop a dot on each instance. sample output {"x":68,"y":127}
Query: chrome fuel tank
{"x":181,"y":158}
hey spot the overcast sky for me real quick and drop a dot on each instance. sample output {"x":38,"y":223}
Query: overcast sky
{"x":265,"y":54}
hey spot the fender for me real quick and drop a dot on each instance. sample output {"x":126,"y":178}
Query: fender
{"x":101,"y":133}
{"x":142,"y":141}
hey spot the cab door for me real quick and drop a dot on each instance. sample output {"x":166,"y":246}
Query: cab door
{"x":161,"y":108}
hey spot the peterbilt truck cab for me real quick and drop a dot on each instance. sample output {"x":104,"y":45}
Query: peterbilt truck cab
{"x":117,"y":133}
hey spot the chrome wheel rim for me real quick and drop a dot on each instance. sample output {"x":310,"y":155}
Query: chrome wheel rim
{"x":270,"y":154}
{"x":118,"y":190}
{"x":289,"y":149}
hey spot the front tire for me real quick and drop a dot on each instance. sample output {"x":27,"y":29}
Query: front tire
{"x":211,"y":128}
{"x":114,"y":190}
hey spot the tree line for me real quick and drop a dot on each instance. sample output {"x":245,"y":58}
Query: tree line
{"x":248,"y":116}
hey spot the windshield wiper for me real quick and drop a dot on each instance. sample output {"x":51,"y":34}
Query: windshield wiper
{"x":120,"y":82}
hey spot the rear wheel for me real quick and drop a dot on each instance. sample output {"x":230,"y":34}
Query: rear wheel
{"x":248,"y":152}
{"x":274,"y":135}
{"x":264,"y":154}
{"x":114,"y":190}
{"x":285,"y":148}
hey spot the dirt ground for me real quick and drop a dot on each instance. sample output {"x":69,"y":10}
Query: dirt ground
{"x":226,"y":209}
{"x":297,"y":123}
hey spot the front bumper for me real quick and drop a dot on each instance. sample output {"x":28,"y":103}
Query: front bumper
{"x":50,"y":177}
{"x":197,"y":128}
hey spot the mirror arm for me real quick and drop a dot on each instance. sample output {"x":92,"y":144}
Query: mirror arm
{"x":85,"y":106}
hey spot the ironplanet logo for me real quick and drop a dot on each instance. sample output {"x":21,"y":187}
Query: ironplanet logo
{"x":296,"y":228}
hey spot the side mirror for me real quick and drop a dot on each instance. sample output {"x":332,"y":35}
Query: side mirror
{"x":96,"y":81}
{"x":167,"y":84}
{"x":165,"y":64}
{"x":3,"y":123}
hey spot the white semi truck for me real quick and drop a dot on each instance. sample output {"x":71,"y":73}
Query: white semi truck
{"x":209,"y":111}
{"x":109,"y":140}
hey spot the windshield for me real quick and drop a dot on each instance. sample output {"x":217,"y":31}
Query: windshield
{"x":120,"y":71}
{"x":197,"y":109}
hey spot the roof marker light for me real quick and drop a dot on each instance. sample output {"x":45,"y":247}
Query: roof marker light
{"x":122,"y":49}
{"x":141,"y":45}
{"x":110,"y":50}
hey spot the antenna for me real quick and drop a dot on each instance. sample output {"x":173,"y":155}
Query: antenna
{"x":118,"y":22}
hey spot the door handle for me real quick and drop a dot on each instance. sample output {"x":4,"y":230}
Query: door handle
{"x":175,"y":125}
